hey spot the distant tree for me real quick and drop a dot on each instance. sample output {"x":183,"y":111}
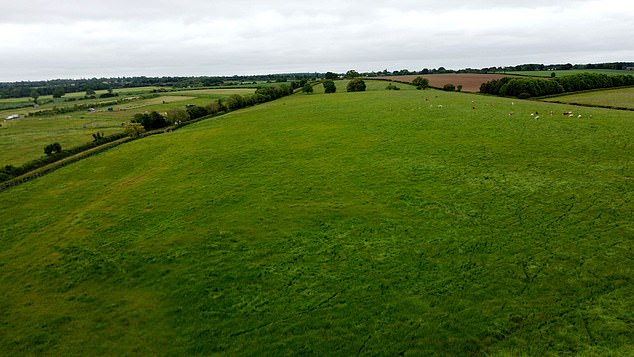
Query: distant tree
{"x":235,"y":101}
{"x":329,"y":86}
{"x":217,"y":107}
{"x":97,"y":136}
{"x":307,"y":88}
{"x":133,"y":129}
{"x":352,"y":74}
{"x":459,"y":88}
{"x":90,"y":92}
{"x":58,"y":92}
{"x":391,"y":86}
{"x":421,"y":83}
{"x":356,"y":85}
{"x":553,"y":75}
{"x":150,"y":121}
{"x":35,"y":94}
{"x":176,"y":116}
{"x":52,"y":149}
{"x":449,"y":87}
{"x":196,"y":112}
{"x":332,"y":76}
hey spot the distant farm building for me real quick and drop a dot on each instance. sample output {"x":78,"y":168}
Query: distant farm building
{"x":629,"y":68}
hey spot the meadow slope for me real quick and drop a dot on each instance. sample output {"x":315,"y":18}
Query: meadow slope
{"x":381,"y":223}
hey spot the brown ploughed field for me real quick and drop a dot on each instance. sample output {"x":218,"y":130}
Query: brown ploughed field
{"x":470,"y":81}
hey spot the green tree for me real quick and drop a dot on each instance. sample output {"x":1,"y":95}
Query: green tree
{"x":58,"y":92}
{"x":133,"y":129}
{"x":352,"y":74}
{"x":449,"y":87}
{"x":356,"y":85}
{"x":90,"y":92}
{"x":329,"y":86}
{"x":176,"y":116}
{"x":421,"y":83}
{"x":52,"y":149}
{"x":307,"y":88}
{"x":151,"y":121}
{"x":330,"y":75}
{"x":35,"y":94}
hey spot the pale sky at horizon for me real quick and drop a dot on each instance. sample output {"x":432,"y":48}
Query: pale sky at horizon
{"x":85,"y":39}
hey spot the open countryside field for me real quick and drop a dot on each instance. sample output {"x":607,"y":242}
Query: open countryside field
{"x":470,"y":81}
{"x":371,"y":86}
{"x":377,"y":223}
{"x":617,"y":98}
{"x":24,"y":139}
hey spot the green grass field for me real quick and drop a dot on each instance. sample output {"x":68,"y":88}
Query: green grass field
{"x":568,"y":72}
{"x":24,"y":139}
{"x":377,"y":223}
{"x":618,"y":98}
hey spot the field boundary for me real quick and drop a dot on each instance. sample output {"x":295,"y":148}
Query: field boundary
{"x":59,"y":164}
{"x":46,"y":169}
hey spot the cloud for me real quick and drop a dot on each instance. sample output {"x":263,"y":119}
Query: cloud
{"x":192,"y":37}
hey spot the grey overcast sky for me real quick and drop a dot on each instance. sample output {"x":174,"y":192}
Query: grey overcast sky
{"x":85,"y":38}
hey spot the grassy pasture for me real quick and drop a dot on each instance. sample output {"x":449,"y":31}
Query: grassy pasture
{"x":621,"y":97}
{"x":24,"y":139}
{"x":371,"y":86}
{"x":567,"y":72}
{"x":377,"y":223}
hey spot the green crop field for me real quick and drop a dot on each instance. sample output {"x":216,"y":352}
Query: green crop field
{"x":618,"y":98}
{"x":24,"y":139}
{"x":568,"y":72}
{"x":377,"y":223}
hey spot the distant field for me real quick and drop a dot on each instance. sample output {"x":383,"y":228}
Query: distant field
{"x":216,"y":93}
{"x":380,"y":223}
{"x":470,"y":81}
{"x":567,"y":73}
{"x":24,"y":139}
{"x":371,"y":86}
{"x":622,"y":98}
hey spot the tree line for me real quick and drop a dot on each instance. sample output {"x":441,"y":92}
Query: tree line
{"x":59,"y":87}
{"x":537,"y":87}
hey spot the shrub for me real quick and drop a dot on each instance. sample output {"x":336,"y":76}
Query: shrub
{"x":459,"y":88}
{"x":196,"y":112}
{"x":329,"y":86}
{"x":150,"y":121}
{"x":421,"y":83}
{"x":392,"y":87}
{"x":449,"y":87}
{"x":52,"y":149}
{"x":307,"y":88}
{"x":356,"y":85}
